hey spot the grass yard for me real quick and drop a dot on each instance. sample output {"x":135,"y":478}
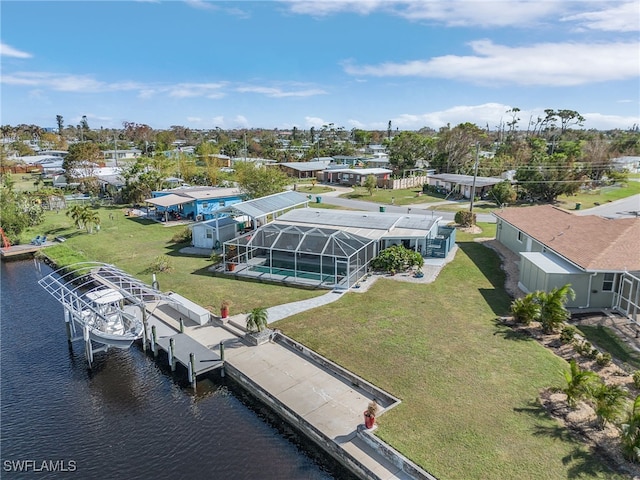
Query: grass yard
{"x":469,"y":386}
{"x":599,"y":196}
{"x":478,"y":207}
{"x":310,"y":189}
{"x":407,"y":196}
{"x":132,"y":244}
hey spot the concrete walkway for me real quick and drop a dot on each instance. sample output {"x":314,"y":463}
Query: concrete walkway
{"x":330,"y":403}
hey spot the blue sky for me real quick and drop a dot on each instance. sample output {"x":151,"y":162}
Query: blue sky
{"x":280,"y":64}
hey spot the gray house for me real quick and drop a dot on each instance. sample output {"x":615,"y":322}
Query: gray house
{"x":599,"y":257}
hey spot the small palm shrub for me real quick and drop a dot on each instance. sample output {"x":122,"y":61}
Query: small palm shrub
{"x":568,"y":334}
{"x":579,"y":383}
{"x":553,"y":312}
{"x":525,"y":310}
{"x":630,"y":438}
{"x":257,"y":319}
{"x":636,"y":378}
{"x":609,"y":403}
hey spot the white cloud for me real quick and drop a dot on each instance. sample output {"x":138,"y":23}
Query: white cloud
{"x":189,"y":90}
{"x":355,"y":123}
{"x":480,"y":13}
{"x":201,"y":5}
{"x":329,"y":7}
{"x":55,"y":81}
{"x":613,"y":18}
{"x":497,"y":13}
{"x":494,"y":114}
{"x":315,"y":122}
{"x":241,"y":121}
{"x":601,"y":121}
{"x":551,"y":64}
{"x":9,"y":51}
{"x":279,"y":93}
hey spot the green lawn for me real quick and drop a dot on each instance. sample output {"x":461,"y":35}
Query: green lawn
{"x":469,"y":386}
{"x":599,"y":196}
{"x":132,"y":244}
{"x":407,"y":196}
{"x":310,"y":189}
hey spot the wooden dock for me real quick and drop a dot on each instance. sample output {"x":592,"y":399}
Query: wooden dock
{"x":180,"y":347}
{"x":22,"y":250}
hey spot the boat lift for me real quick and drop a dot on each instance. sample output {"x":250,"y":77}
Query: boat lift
{"x":95,"y":295}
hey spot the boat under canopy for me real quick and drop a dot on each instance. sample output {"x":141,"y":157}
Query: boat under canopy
{"x":106,"y":303}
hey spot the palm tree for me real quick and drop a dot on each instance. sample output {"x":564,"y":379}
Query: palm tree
{"x":75,"y":213}
{"x":631,"y":433}
{"x":257,"y":319}
{"x":579,"y":383}
{"x":90,"y":218}
{"x":609,"y":402}
{"x":553,"y":312}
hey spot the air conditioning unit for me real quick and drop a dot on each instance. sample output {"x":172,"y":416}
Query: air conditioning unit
{"x":199,"y":218}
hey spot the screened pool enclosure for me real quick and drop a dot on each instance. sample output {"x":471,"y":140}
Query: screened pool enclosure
{"x":301,"y":254}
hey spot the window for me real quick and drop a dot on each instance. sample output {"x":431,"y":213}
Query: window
{"x":519,"y":236}
{"x":221,"y":203}
{"x":205,"y":205}
{"x":607,"y":283}
{"x":209,"y":234}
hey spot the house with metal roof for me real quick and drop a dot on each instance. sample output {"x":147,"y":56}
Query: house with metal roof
{"x":237,"y":218}
{"x":463,"y":184}
{"x":305,"y":169}
{"x":330,"y":248}
{"x":193,"y":203}
{"x":355,"y":176}
{"x":599,"y":257}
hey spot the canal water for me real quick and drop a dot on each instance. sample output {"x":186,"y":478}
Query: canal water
{"x":129,"y":417}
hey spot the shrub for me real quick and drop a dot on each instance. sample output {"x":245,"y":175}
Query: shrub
{"x":567,"y":334}
{"x":397,"y":258}
{"x":636,"y":378}
{"x":464,"y":218}
{"x":583,"y":348}
{"x":603,"y":359}
{"x":182,"y":236}
{"x":161,"y":263}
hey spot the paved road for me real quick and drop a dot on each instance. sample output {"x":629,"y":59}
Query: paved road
{"x":624,"y":208}
{"x":332,"y":199}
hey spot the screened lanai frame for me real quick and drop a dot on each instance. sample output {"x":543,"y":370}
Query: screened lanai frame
{"x":303,"y":254}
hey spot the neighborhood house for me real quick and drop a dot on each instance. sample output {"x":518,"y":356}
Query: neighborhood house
{"x":597,"y":256}
{"x":192,"y":203}
{"x":328,"y":248}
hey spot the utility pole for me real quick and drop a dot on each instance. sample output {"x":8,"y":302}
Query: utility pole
{"x":115,"y":144}
{"x":475,"y":174}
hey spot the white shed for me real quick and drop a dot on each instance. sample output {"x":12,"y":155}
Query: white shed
{"x":204,"y":235}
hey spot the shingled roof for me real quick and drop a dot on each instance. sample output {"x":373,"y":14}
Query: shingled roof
{"x":591,"y":242}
